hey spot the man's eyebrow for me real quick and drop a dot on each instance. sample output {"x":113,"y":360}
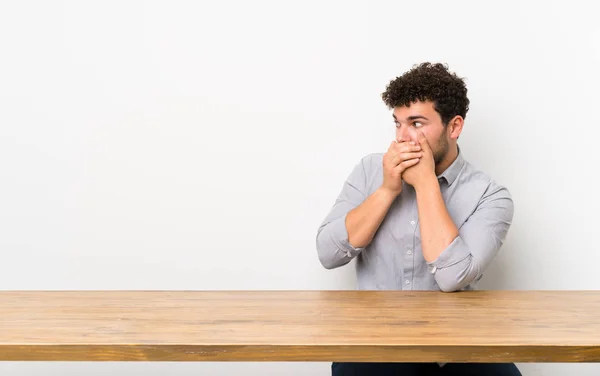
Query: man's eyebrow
{"x":415,"y":117}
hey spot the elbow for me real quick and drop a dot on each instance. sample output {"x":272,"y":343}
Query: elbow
{"x":447,"y":284}
{"x":330,"y":254}
{"x":449,"y":287}
{"x":333,"y":248}
{"x":324,"y":258}
{"x":452,"y":280}
{"x":327,"y":262}
{"x":325,"y":253}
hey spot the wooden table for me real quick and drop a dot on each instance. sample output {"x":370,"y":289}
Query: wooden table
{"x":476,"y":326}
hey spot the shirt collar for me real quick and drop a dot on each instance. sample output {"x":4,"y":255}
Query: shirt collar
{"x":451,"y":173}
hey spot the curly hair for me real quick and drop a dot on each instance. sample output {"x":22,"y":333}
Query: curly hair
{"x":432,"y":82}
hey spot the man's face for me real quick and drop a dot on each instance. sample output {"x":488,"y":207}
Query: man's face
{"x":424,"y":117}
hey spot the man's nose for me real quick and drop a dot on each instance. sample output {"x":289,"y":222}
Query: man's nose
{"x":403,"y":133}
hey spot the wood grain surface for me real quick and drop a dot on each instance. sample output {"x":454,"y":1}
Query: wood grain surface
{"x":376,"y":326}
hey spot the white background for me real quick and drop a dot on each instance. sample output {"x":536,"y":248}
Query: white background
{"x":198,"y":145}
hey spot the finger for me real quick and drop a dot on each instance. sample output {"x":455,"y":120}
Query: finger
{"x":422,"y":139}
{"x":396,"y":149}
{"x":408,"y":146}
{"x":406,"y":164}
{"x":396,"y":160}
{"x":393,"y":149}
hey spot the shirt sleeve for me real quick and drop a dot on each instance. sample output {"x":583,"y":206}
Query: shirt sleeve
{"x":333,"y":247}
{"x":478,"y":242}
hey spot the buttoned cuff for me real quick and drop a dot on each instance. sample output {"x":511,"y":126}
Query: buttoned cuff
{"x":456,"y":252}
{"x":339,"y":234}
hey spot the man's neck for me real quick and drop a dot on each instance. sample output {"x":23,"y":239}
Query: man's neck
{"x":447,"y":161}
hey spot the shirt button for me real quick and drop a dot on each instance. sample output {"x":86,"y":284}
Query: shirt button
{"x":409,"y":252}
{"x":412,"y":223}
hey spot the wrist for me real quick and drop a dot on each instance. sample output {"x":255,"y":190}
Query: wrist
{"x":387,"y":194}
{"x":428,"y":184}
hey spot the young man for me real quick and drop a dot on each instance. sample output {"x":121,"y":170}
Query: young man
{"x":419,"y":217}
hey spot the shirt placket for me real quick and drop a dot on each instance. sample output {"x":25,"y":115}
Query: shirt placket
{"x":409,"y":252}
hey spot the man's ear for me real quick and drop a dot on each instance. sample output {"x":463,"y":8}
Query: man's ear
{"x":455,"y":126}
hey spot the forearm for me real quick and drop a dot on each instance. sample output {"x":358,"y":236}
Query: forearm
{"x":363,"y":221}
{"x":437,"y":228}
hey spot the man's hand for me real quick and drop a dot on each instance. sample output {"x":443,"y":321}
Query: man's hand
{"x":399,"y":157}
{"x":425,"y":169}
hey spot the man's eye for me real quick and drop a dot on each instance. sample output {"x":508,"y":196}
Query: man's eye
{"x":397,"y":124}
{"x":417,"y":124}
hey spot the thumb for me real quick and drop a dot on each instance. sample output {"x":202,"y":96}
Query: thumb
{"x":422,"y":140}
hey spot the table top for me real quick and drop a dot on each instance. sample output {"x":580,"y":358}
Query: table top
{"x":427,"y":326}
